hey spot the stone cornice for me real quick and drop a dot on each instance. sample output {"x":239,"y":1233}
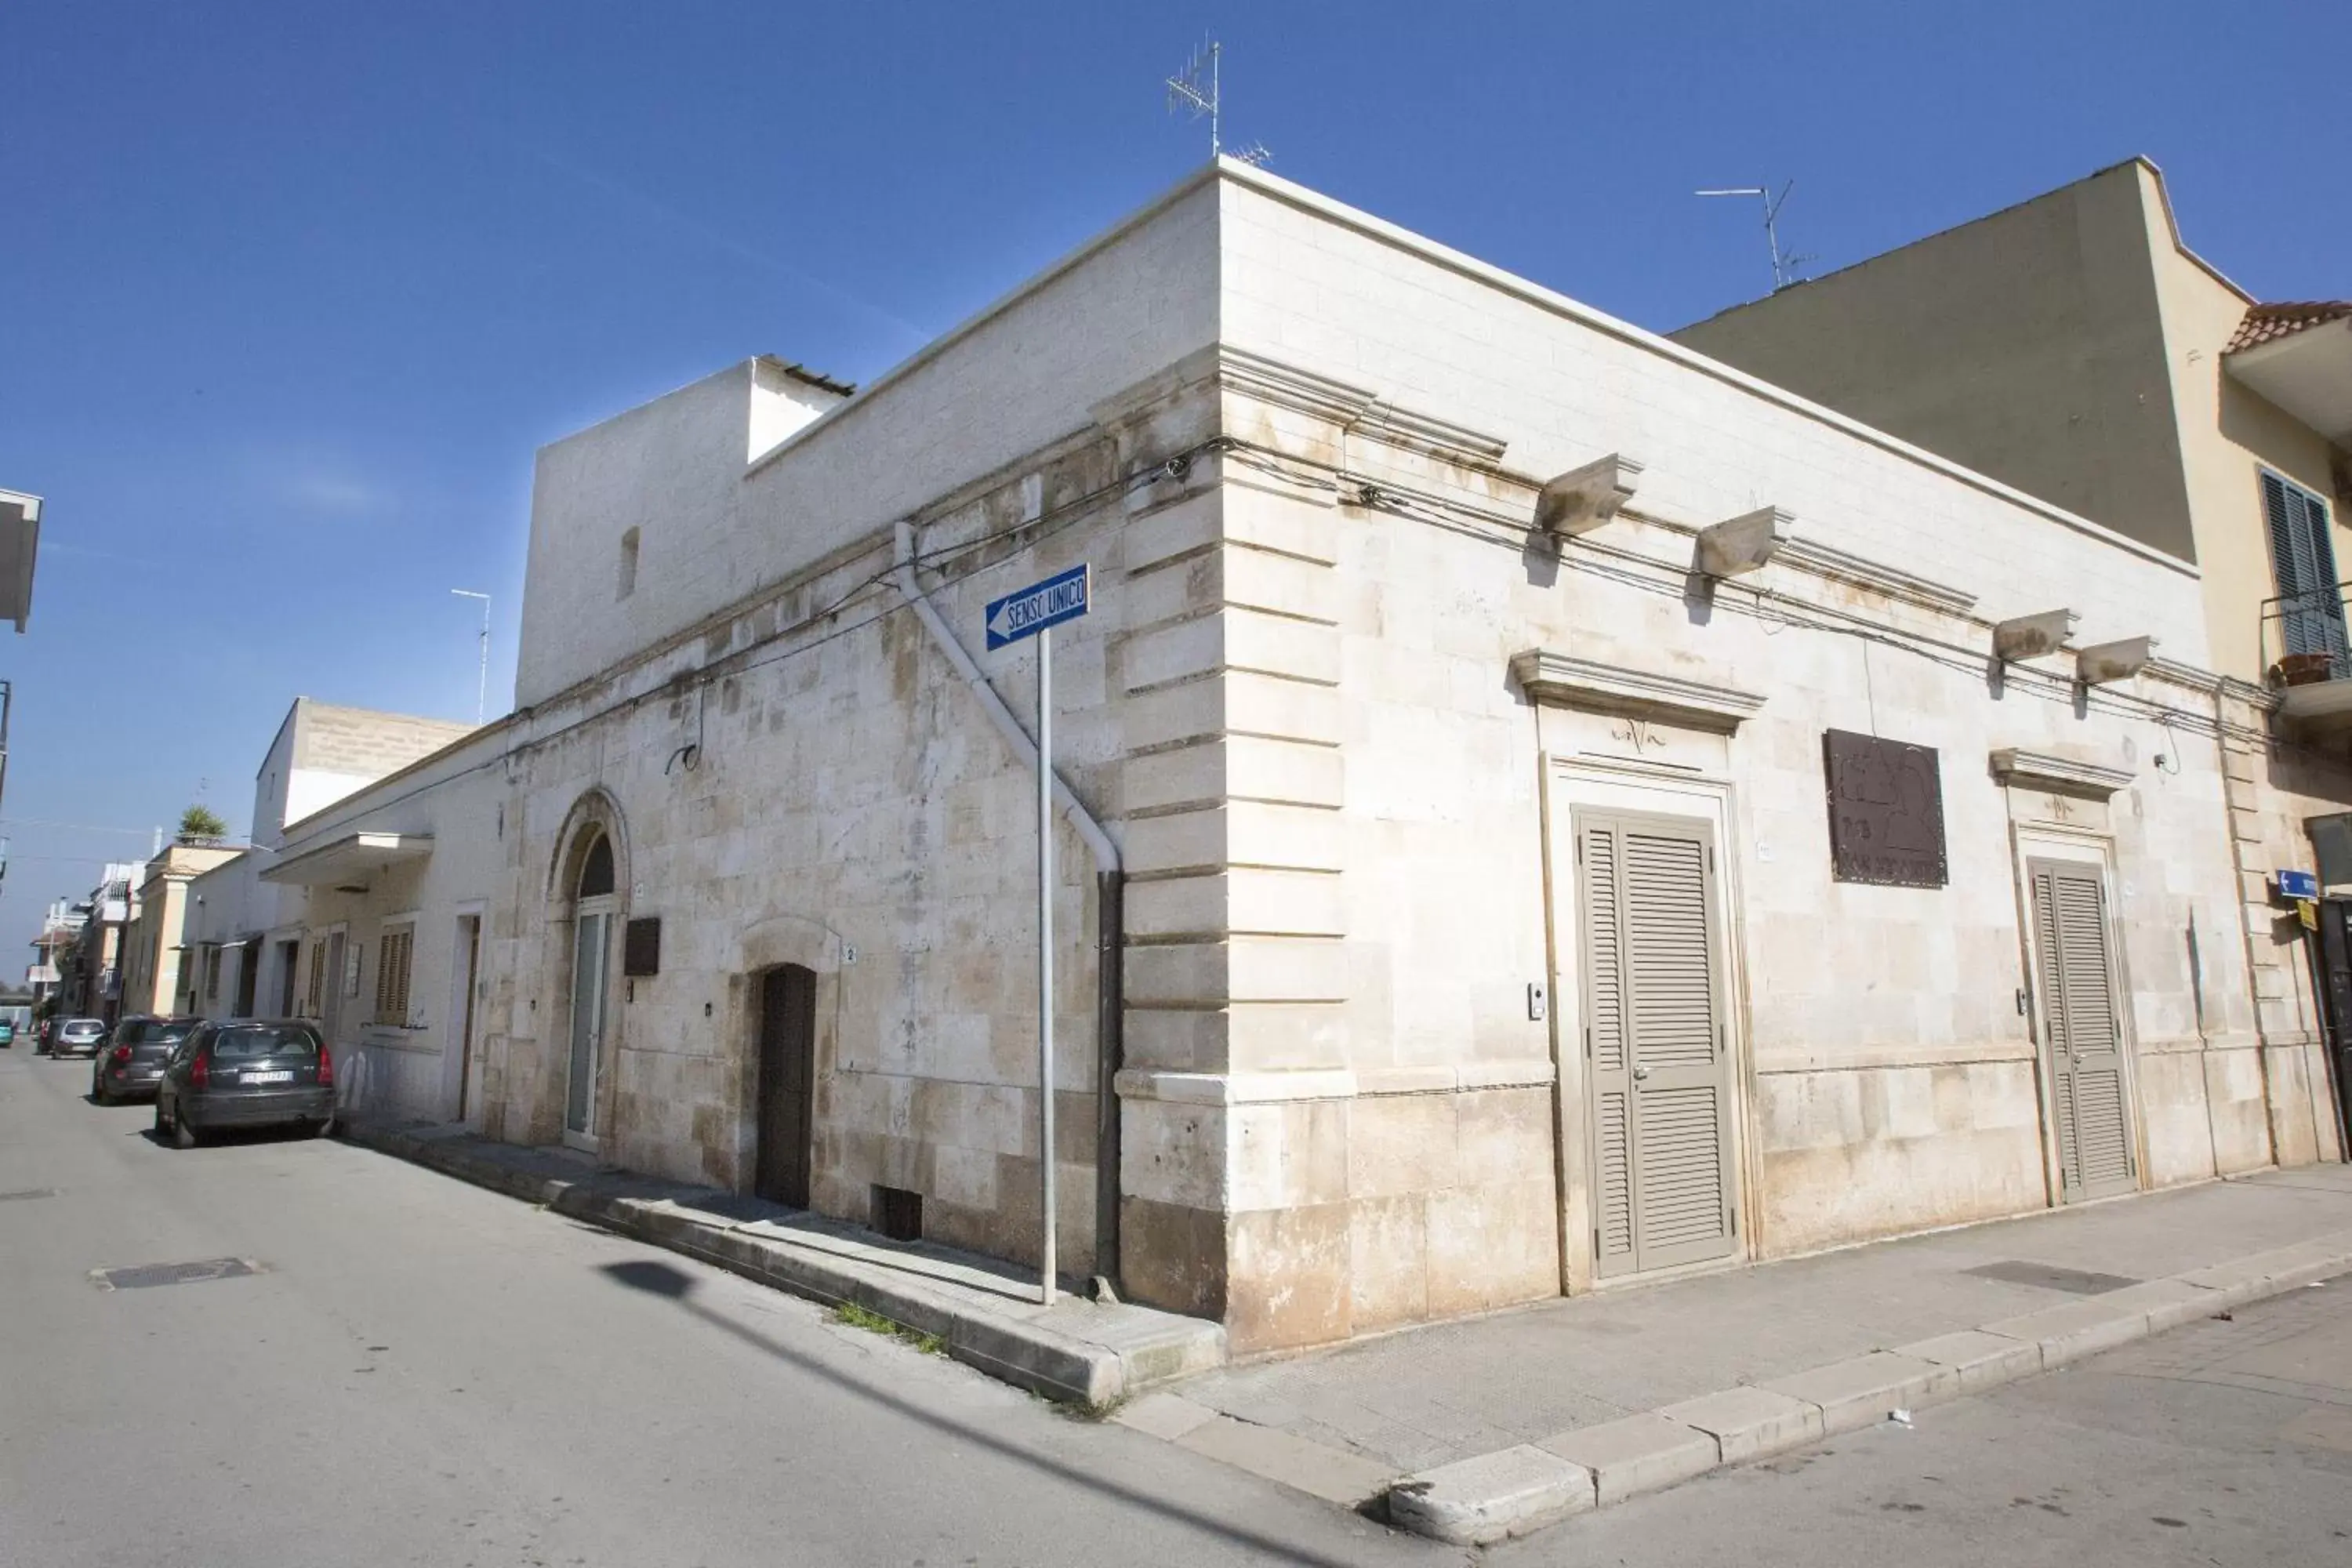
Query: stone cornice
{"x":1352,"y":407}
{"x":1565,"y":681}
{"x":1810,"y":555}
{"x":2063,"y":775}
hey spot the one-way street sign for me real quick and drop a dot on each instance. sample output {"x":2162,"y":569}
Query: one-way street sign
{"x":1024,"y":614}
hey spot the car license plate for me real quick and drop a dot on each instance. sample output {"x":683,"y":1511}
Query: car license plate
{"x":268,"y":1078}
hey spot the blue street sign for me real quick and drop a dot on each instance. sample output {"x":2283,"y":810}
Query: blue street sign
{"x":2296,"y":884}
{"x":1061,"y":597}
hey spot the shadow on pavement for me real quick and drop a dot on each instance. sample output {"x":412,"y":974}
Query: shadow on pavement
{"x":661,"y":1279}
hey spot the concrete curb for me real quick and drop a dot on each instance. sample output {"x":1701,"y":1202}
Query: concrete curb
{"x":1092,"y":1355}
{"x":1487,"y":1498}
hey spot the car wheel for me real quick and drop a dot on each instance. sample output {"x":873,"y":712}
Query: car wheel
{"x":183,"y":1135}
{"x":98,"y":1091}
{"x":322,"y":1127}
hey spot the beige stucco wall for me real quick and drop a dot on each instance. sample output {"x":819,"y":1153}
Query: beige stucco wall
{"x":2228,"y":433}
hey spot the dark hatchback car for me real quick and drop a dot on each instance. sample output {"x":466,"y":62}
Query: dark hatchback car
{"x":130,"y":1063}
{"x":245,"y":1073}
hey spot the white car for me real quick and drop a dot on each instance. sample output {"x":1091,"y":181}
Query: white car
{"x":79,"y":1037}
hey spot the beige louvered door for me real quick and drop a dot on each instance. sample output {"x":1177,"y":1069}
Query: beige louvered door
{"x":1657,"y":1072}
{"x":2082,"y":1035}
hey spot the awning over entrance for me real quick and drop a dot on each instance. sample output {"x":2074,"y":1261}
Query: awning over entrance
{"x":349,"y":861}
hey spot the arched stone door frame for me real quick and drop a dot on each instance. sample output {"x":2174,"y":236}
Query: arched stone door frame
{"x":595,"y":815}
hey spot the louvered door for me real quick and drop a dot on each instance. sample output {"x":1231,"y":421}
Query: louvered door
{"x":2303,"y":558}
{"x":2082,"y":1032}
{"x":1656,"y":1075}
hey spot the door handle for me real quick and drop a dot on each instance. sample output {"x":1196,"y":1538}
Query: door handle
{"x":1640,"y":1073}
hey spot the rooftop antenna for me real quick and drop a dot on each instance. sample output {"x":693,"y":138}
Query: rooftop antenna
{"x":1185,"y":92}
{"x":1784,"y":266}
{"x":482,"y":684}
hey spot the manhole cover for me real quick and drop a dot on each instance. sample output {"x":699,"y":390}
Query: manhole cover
{"x":29,"y":1193}
{"x":148,"y":1274}
{"x":2050,"y":1276}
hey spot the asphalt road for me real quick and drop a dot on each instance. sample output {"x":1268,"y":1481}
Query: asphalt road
{"x":424,"y":1372}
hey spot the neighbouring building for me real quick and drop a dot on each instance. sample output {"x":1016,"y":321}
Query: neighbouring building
{"x":60,"y":930}
{"x":1538,"y":807}
{"x":159,"y":973}
{"x":2073,"y":346}
{"x":258,"y":944}
{"x":89,"y":975}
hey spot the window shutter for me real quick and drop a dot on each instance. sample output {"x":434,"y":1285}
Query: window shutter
{"x":2302,"y":555}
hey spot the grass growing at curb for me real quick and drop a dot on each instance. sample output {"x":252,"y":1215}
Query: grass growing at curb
{"x":857,"y":1317}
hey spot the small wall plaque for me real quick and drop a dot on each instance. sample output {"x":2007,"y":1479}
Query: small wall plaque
{"x":1886,"y":811}
{"x":641,"y":947}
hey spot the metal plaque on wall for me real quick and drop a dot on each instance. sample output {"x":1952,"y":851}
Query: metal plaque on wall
{"x":1886,"y":811}
{"x":641,"y":946}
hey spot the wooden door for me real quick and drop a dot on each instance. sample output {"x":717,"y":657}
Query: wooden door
{"x":470,"y":956}
{"x":1657,"y":1069}
{"x":787,"y":1084}
{"x":2081,"y":1033}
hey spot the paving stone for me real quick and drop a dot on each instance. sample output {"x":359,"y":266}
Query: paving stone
{"x":1749,"y":1423}
{"x":1472,"y":1502}
{"x":1862,"y":1391}
{"x":2078,"y":1329}
{"x":2245,"y":1279}
{"x":1167,"y":1416}
{"x":1983,"y":1360}
{"x":1327,"y":1473}
{"x":2167,"y":1303}
{"x":1645,"y":1453}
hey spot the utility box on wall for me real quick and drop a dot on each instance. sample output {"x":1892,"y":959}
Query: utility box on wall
{"x":641,"y":947}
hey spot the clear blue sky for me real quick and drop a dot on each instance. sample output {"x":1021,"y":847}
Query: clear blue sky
{"x":290,"y":294}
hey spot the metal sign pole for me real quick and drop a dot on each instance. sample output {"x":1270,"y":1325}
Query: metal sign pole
{"x":1045,"y":952}
{"x":1034,"y":612}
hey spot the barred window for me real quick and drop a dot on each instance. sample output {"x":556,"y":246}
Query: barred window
{"x":392,"y":976}
{"x":314,"y":994}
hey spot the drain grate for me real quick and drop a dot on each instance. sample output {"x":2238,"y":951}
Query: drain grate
{"x":148,"y":1274}
{"x":28,"y":1193}
{"x":2050,"y":1276}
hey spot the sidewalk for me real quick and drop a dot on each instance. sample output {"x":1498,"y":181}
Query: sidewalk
{"x":983,"y":1312}
{"x":1490,"y":1428}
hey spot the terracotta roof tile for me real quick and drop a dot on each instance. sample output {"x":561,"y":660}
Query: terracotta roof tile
{"x":2266,"y":323}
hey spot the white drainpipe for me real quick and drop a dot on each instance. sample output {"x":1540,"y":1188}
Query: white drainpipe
{"x":1110,"y":943}
{"x":1023,"y":746}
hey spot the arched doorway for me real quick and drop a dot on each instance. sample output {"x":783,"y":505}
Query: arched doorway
{"x":786,"y":1086}
{"x":595,"y":904}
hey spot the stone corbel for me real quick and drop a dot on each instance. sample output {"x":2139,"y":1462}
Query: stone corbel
{"x":1743,"y":543}
{"x":2103,"y":663}
{"x":1581,"y":500}
{"x":2032,"y":636}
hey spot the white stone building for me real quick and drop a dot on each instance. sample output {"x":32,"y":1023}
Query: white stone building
{"x":1455,"y":794}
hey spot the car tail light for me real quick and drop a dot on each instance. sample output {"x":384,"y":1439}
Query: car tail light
{"x":122,"y":1053}
{"x":200,"y":1072}
{"x":326,"y":1067}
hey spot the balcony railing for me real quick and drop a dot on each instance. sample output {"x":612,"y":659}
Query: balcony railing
{"x":2307,"y":652}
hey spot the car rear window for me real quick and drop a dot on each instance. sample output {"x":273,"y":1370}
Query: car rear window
{"x":264,"y":1040}
{"x":84,"y":1026}
{"x":151,"y":1032}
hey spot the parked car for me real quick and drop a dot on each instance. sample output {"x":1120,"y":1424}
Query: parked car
{"x":7,"y":1034}
{"x":79,"y":1037}
{"x":131,"y":1061}
{"x":245,"y":1073}
{"x":45,"y":1035}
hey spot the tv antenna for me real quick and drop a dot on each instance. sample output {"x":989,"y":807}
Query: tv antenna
{"x":1186,"y":93}
{"x":1784,"y":265}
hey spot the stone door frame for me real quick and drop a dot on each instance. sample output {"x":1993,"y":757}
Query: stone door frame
{"x":1589,"y":783}
{"x":2029,"y":842}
